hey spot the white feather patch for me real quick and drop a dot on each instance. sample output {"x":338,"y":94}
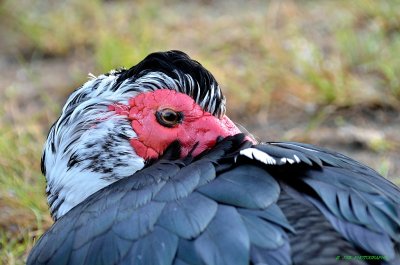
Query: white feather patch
{"x":256,"y":154}
{"x":287,"y":160}
{"x":265,"y":158}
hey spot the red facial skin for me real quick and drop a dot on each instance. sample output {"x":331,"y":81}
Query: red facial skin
{"x":197,"y":126}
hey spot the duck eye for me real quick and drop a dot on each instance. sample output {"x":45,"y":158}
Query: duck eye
{"x":168,"y":117}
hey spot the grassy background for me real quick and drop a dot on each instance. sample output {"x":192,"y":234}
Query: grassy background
{"x":305,"y":61}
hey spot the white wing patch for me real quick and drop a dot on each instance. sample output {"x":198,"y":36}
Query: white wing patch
{"x":265,"y":158}
{"x":285,"y":160}
{"x":256,"y":154}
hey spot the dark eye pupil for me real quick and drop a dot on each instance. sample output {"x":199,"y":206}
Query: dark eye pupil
{"x":170,"y":116}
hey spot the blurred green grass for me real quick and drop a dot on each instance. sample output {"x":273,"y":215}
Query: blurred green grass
{"x":321,"y":53}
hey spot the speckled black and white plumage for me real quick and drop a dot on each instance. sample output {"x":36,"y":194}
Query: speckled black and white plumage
{"x":88,"y":146}
{"x":238,"y":203}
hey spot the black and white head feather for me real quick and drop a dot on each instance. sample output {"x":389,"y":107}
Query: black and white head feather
{"x":88,"y":147}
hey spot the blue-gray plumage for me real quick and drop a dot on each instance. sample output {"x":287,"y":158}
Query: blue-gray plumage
{"x":238,"y":202}
{"x":193,"y":215}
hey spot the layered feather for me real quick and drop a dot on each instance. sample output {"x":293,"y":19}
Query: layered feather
{"x":213,"y":210}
